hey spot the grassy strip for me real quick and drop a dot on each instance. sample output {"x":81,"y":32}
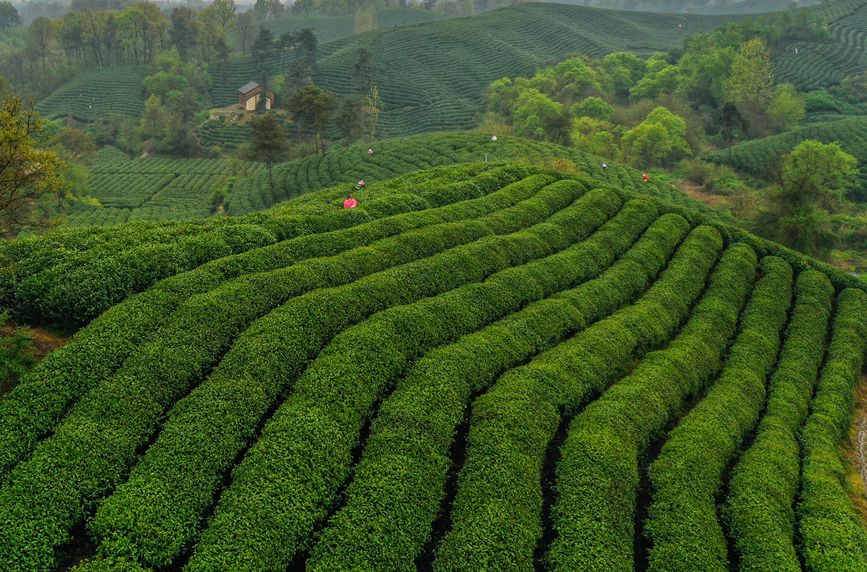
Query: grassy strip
{"x":93,"y":448}
{"x":496,"y":521}
{"x":43,"y":396}
{"x":758,"y":512}
{"x":688,"y":472}
{"x":310,"y":437}
{"x":833,"y":538}
{"x":598,"y":473}
{"x":399,"y":484}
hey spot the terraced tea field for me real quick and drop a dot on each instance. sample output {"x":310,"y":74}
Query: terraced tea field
{"x":153,"y":189}
{"x":761,"y":157}
{"x":98,"y":92}
{"x":472,"y":370}
{"x":160,"y":189}
{"x":819,"y":64}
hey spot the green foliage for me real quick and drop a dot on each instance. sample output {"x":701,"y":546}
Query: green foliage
{"x":688,"y":473}
{"x":16,"y":355}
{"x":536,"y":115}
{"x":594,"y":108}
{"x":211,"y":418}
{"x":833,"y":536}
{"x":813,"y":181}
{"x":658,"y":140}
{"x":758,"y":511}
{"x":598,"y":472}
{"x":496,"y":518}
{"x":407,"y":455}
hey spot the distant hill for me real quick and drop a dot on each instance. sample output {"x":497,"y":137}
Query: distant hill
{"x":332,"y":28}
{"x":818,"y":64}
{"x":433,"y":76}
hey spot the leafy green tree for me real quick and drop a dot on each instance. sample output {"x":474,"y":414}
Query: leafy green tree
{"x":732,"y":125}
{"x":154,"y":117}
{"x":312,"y":107}
{"x":594,"y":136}
{"x":622,"y":70}
{"x":306,"y":44}
{"x":813,"y":181}
{"x":75,"y":145}
{"x":41,"y":40}
{"x":268,"y":143}
{"x":536,"y":115}
{"x":362,"y":71}
{"x":244,"y":26}
{"x":184,"y":33}
{"x":750,"y":84}
{"x":223,"y":12}
{"x":9,"y":17}
{"x":574,"y":78}
{"x":262,"y":52}
{"x":664,"y":80}
{"x":28,"y":171}
{"x":786,"y":108}
{"x":593,"y":107}
{"x":350,"y":119}
{"x":501,"y":97}
{"x":658,"y":140}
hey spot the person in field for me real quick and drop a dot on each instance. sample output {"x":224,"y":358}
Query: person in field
{"x":645,"y":177}
{"x":350,"y":202}
{"x":370,"y":151}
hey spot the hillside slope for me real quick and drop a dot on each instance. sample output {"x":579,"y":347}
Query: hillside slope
{"x":458,"y":373}
{"x":172,"y":189}
{"x":761,"y":157}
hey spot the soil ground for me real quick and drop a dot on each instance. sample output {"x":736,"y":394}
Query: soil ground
{"x":856,"y":451}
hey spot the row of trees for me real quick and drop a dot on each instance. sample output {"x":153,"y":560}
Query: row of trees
{"x":602,"y":107}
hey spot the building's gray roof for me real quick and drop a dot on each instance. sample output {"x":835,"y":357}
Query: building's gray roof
{"x":248,"y":87}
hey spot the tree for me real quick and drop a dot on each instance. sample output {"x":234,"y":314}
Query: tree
{"x":733,"y":125}
{"x":28,"y":171}
{"x":658,"y":140}
{"x":223,"y":12}
{"x":268,"y":143}
{"x":535,"y":114}
{"x":594,"y":136}
{"x":244,"y":25}
{"x":594,"y":107}
{"x":305,"y":43}
{"x":184,"y":34}
{"x":350,"y":119}
{"x":75,"y":145}
{"x":750,"y":84}
{"x":813,"y":181}
{"x":372,"y":110}
{"x":311,"y":107}
{"x":41,"y":36}
{"x":786,"y":107}
{"x":623,"y":70}
{"x":9,"y":17}
{"x":362,"y":71}
{"x":262,"y":51}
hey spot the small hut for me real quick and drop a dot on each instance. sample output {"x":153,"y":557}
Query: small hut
{"x":251,"y":93}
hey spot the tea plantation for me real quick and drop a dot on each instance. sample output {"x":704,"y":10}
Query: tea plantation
{"x":171,"y":189}
{"x":471,"y":370}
